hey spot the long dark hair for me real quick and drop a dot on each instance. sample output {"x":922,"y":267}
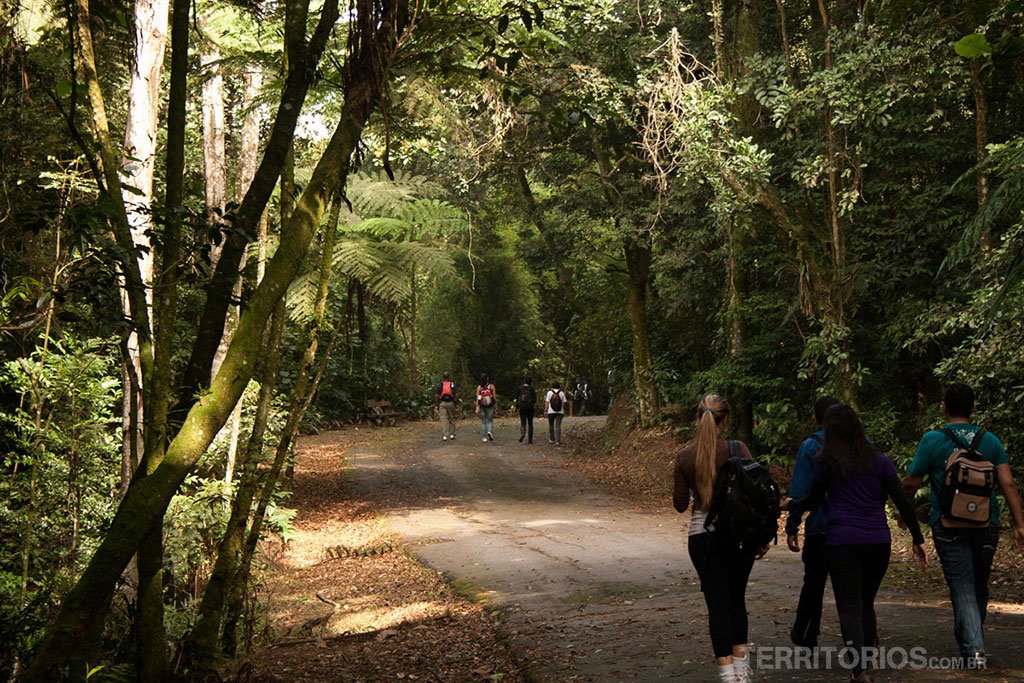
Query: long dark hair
{"x":846,"y":450}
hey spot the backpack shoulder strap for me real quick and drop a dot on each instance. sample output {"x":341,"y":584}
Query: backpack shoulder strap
{"x":951,"y":435}
{"x":734,"y":449}
{"x":976,"y":441}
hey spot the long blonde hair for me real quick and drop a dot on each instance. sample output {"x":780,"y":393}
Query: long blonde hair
{"x":711,"y":412}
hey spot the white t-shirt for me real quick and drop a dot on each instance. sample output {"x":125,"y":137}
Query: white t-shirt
{"x":551,"y":411}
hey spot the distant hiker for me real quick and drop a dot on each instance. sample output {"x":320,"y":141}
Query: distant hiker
{"x":722,"y":564}
{"x":582,"y":395}
{"x":554,"y":408}
{"x":486,"y":401}
{"x":526,"y":404}
{"x":854,"y":480}
{"x":446,"y":398}
{"x":964,"y":464}
{"x":808,"y":611}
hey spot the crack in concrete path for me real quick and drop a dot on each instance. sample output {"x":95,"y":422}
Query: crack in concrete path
{"x":590,"y":590}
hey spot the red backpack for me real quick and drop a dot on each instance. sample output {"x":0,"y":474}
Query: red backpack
{"x":486,"y":396}
{"x":447,"y":391}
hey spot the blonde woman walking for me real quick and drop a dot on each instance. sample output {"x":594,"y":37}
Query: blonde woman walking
{"x":722,"y":565}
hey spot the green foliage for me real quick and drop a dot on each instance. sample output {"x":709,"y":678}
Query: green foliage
{"x":60,"y":467}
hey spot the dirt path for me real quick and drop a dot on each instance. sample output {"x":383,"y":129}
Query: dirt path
{"x":590,"y":590}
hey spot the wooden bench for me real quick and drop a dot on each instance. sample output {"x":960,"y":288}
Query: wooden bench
{"x":380,"y":413}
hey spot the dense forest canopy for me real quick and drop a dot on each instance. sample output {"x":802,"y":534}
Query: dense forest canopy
{"x":223,"y":221}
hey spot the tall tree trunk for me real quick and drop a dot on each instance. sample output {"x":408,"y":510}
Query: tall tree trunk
{"x":300,"y":76}
{"x":214,"y":159}
{"x":537,"y":218}
{"x":151,"y":641}
{"x":638,"y":264}
{"x":981,"y":139}
{"x":834,"y":309}
{"x":637,"y":250}
{"x":374,"y":44}
{"x":298,"y":405}
{"x":138,"y":165}
{"x":247,"y":159}
{"x":202,"y":647}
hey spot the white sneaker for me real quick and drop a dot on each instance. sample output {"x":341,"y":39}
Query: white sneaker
{"x":484,"y":439}
{"x":741,"y":670}
{"x":452,"y":437}
{"x":444,"y":438}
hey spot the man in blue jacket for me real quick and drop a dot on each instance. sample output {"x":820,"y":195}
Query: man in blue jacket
{"x":808,"y":612}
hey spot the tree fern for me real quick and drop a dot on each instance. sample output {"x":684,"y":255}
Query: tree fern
{"x":1007,"y":199}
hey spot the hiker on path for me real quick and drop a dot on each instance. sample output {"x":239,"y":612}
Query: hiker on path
{"x":723,"y":566}
{"x":526,"y":404}
{"x":554,"y":408}
{"x":446,"y":401}
{"x":854,"y":480}
{"x":582,"y":395}
{"x":808,"y":611}
{"x":965,"y":523}
{"x":486,"y":401}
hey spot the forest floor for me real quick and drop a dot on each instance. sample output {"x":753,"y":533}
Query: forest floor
{"x":538,"y":563}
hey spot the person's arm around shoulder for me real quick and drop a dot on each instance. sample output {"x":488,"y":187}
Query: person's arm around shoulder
{"x":899,"y":497}
{"x":800,"y":486}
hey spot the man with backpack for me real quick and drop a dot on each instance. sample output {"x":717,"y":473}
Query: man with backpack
{"x":526,"y":404}
{"x":964,"y":465}
{"x":582,"y":396}
{"x":808,"y":611}
{"x":554,"y":408}
{"x":446,"y":398}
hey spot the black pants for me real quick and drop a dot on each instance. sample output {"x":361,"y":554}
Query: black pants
{"x":857,"y":572}
{"x":808,"y":611}
{"x":526,"y":423}
{"x":723,"y":571}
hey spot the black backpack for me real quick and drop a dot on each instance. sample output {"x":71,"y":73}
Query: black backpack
{"x":745,"y":503}
{"x":526,"y":397}
{"x":556,"y":400}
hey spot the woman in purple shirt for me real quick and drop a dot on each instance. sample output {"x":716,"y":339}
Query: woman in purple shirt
{"x":854,"y":480}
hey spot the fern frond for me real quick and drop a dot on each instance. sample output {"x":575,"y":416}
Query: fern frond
{"x":300,"y":298}
{"x":356,"y":257}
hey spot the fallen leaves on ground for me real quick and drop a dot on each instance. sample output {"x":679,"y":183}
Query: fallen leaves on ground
{"x":346,"y":603}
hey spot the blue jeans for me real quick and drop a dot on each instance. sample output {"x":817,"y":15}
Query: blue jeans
{"x":966,"y":557}
{"x":486,"y":420}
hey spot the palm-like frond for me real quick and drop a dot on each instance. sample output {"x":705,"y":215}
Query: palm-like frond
{"x":301,"y":297}
{"x":1007,"y":197}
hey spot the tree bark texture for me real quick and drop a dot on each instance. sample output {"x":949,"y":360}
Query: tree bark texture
{"x":215,"y":173}
{"x":246,"y":223}
{"x":82,"y":611}
{"x":537,"y":218}
{"x":202,"y":647}
{"x":138,"y":166}
{"x":638,"y":264}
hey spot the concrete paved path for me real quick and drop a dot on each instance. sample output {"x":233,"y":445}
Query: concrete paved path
{"x":591,"y":590}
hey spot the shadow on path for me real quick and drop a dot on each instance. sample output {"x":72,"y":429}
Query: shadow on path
{"x":591,"y":590}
